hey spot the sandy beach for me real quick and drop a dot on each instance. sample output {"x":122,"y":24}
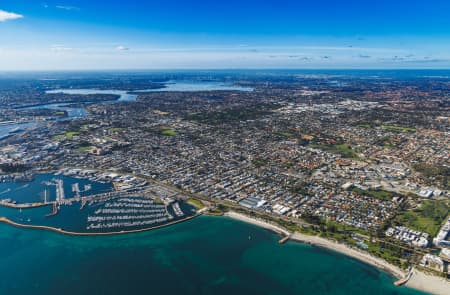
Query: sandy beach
{"x":428,"y":283}
{"x":258,"y":222}
{"x":418,"y":280}
{"x":346,"y":250}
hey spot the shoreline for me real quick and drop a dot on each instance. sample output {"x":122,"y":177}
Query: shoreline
{"x":325,"y":243}
{"x":351,"y":252}
{"x":418,"y":280}
{"x":261,"y":223}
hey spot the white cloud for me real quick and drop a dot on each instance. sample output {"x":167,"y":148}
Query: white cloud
{"x":66,"y":7}
{"x":60,"y":47}
{"x":122,"y":48}
{"x":4,"y":16}
{"x":64,"y":55}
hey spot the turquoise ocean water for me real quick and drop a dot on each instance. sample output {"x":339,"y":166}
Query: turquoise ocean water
{"x":207,"y":255}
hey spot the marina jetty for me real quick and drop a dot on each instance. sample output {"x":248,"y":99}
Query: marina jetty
{"x":284,"y":239}
{"x":54,"y":210}
{"x":24,"y":205}
{"x":71,"y":233}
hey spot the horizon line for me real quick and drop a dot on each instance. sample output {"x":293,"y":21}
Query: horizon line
{"x":223,"y":69}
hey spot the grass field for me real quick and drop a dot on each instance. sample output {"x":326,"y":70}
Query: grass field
{"x":84,"y":149}
{"x":160,"y":130}
{"x":398,"y":128}
{"x":438,"y":173}
{"x":378,"y":194}
{"x":286,"y":134}
{"x":196,"y":203}
{"x":71,"y":134}
{"x":365,"y":125}
{"x":389,"y":146}
{"x":168,"y":132}
{"x":59,"y":137}
{"x":67,"y":135}
{"x":428,"y":218}
{"x":344,"y":150}
{"x":117,"y":130}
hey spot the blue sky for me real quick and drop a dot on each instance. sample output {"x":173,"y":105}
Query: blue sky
{"x":169,"y":34}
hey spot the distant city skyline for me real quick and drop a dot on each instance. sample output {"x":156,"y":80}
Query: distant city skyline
{"x":91,"y":35}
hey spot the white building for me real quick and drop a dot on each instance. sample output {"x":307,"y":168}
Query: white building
{"x":440,"y":239}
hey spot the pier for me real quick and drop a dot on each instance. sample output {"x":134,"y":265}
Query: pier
{"x":83,"y":203}
{"x":23,"y":206}
{"x":54,"y":210}
{"x":284,"y":239}
{"x":404,"y":280}
{"x":60,"y":195}
{"x":126,"y":212}
{"x":76,"y":189}
{"x":62,"y":231}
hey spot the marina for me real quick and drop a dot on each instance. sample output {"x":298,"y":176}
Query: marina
{"x":55,"y":201}
{"x":111,"y":215}
{"x":129,"y":213}
{"x":49,"y":187}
